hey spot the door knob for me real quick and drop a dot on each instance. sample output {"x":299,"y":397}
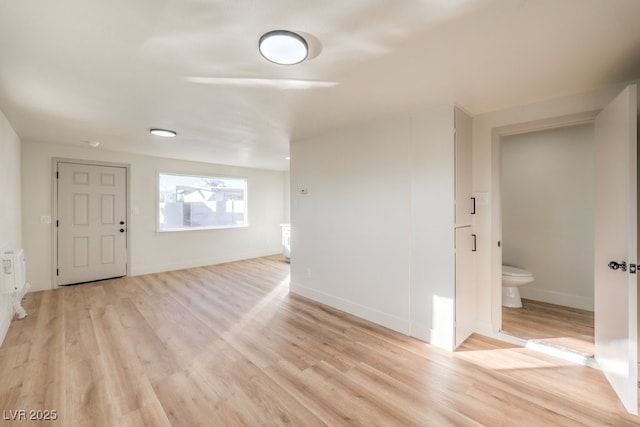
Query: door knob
{"x":621,"y":265}
{"x":122,"y":231}
{"x":121,"y":222}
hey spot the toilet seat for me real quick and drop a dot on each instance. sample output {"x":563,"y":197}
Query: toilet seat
{"x":515,"y":272}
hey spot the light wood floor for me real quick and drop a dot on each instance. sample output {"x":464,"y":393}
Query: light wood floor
{"x":228,"y":345}
{"x":567,"y":327}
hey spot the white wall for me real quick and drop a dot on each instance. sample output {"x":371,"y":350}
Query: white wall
{"x":10,"y":220}
{"x":287,"y":197}
{"x":548,"y":212}
{"x":151,"y":251}
{"x":372,"y":221}
{"x":350,"y":233}
{"x":486,"y":221}
{"x":432,"y":218}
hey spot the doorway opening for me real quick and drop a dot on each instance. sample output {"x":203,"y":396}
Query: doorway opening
{"x":615,"y":238}
{"x":544,"y":177}
{"x":548,"y":197}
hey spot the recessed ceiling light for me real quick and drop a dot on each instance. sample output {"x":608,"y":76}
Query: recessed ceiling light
{"x":283,"y":47}
{"x":163,"y":132}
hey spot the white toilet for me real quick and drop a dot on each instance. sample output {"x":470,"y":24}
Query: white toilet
{"x":512,"y":279}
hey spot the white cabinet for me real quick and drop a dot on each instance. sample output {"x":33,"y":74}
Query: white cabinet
{"x":465,"y":239}
{"x":465,"y":289}
{"x":441,"y":212}
{"x":464,"y":201}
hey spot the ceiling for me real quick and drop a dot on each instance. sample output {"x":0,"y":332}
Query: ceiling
{"x":73,"y":71}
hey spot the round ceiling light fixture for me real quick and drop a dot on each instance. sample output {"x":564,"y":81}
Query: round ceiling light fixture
{"x":283,"y":47}
{"x":163,"y":132}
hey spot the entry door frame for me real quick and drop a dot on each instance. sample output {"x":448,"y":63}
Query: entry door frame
{"x":54,"y":208}
{"x":496,"y":201}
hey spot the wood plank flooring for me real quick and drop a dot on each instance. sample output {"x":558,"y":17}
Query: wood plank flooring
{"x":228,"y":345}
{"x":566,"y":327}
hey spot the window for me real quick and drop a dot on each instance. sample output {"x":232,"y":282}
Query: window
{"x":201,"y":202}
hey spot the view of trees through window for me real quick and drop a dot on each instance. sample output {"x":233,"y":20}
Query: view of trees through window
{"x":196,"y":202}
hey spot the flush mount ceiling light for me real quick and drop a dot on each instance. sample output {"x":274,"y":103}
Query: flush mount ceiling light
{"x":163,"y":132}
{"x":283,"y":47}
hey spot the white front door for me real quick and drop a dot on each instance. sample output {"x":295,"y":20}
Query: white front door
{"x":91,"y":222}
{"x":616,"y":279}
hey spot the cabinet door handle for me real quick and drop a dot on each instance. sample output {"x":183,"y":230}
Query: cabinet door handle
{"x":473,"y":206}
{"x":474,"y":243}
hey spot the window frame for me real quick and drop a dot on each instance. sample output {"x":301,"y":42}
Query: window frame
{"x":159,"y":173}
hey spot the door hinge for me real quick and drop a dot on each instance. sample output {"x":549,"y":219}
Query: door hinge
{"x":57,"y":223}
{"x":632,"y":269}
{"x":474,"y":242}
{"x":57,"y":175}
{"x":57,"y":271}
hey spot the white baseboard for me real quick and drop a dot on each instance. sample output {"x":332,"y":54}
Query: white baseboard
{"x":551,"y":297}
{"x":367,"y":313}
{"x":178,"y":265}
{"x":200,"y":262}
{"x":420,"y":332}
{"x":40,"y":286}
{"x":485,"y":328}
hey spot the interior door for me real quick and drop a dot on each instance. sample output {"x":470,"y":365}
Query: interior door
{"x":91,"y":222}
{"x":616,"y":317}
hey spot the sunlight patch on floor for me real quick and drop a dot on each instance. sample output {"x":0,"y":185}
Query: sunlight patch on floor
{"x":511,"y":358}
{"x":260,"y":306}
